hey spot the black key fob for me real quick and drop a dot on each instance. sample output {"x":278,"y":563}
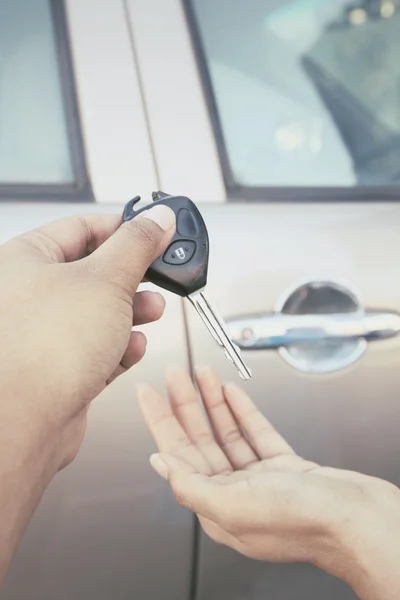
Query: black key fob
{"x":183,"y":267}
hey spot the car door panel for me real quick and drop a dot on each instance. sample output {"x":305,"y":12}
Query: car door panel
{"x":348,"y":419}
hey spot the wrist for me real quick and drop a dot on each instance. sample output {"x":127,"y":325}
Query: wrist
{"x":369,"y":539}
{"x":37,"y":425}
{"x":27,"y":467}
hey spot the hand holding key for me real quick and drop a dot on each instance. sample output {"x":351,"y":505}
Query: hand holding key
{"x":253,"y":493}
{"x":68,"y":304}
{"x":183,"y":268}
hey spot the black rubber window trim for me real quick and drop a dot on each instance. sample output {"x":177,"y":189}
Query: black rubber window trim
{"x":80,"y":190}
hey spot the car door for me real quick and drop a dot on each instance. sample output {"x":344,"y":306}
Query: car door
{"x":286,"y":116}
{"x":70,"y":107}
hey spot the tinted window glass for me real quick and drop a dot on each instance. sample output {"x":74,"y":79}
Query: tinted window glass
{"x":307,"y":92}
{"x":34,"y":144}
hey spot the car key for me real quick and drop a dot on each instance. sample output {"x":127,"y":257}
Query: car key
{"x":183,"y":267}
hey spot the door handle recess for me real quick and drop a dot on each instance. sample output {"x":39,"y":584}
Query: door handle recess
{"x":317,"y":326}
{"x":277,"y":330}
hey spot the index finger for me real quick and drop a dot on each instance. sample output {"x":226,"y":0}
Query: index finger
{"x":73,"y":238}
{"x":166,"y":430}
{"x":190,"y":415}
{"x":262,"y":436}
{"x":198,"y":492}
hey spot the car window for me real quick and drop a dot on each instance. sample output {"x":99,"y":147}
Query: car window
{"x":304,"y":93}
{"x":39,"y":133}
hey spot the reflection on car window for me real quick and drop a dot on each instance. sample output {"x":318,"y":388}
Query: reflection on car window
{"x":34,"y":147}
{"x":307,"y":91}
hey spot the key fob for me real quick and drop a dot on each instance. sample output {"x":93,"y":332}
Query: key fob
{"x":183,"y":267}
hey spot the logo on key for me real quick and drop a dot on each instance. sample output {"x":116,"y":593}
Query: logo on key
{"x":180,"y":253}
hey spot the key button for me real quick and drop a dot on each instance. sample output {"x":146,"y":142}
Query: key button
{"x":186,"y":224}
{"x":180,"y":252}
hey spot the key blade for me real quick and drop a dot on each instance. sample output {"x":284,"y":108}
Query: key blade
{"x":209,"y":326}
{"x":217,"y":328}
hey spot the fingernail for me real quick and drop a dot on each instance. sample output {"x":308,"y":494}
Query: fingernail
{"x":159,"y":299}
{"x":231,"y":385}
{"x":203,"y":370}
{"x":142,"y":390}
{"x":232,"y":388}
{"x":159,"y":465}
{"x":173,"y":372}
{"x":162,"y":215}
{"x":207,"y":374}
{"x":141,"y":387}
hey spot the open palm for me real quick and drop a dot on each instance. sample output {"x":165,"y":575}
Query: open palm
{"x":249,"y":488}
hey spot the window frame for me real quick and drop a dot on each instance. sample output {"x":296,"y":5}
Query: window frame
{"x":80,"y":190}
{"x":270,"y":194}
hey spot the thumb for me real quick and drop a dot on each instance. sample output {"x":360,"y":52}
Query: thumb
{"x":167,"y":464}
{"x":199,"y":493}
{"x":125,"y":257}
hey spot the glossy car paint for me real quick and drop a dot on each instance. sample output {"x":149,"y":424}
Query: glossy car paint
{"x":107,"y":526}
{"x":348,"y":419}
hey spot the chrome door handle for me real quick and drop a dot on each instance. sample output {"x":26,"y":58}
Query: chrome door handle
{"x":279,"y":330}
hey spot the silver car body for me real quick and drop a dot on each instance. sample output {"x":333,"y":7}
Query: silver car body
{"x":108,"y":527}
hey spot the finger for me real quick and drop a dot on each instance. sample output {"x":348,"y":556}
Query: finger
{"x":147,"y":307}
{"x":134,"y":353}
{"x":165,"y":429}
{"x":72,"y":238}
{"x":262,"y":436}
{"x":198,"y":492}
{"x":186,"y":408}
{"x":135,"y":350}
{"x":125,"y":257}
{"x":225,"y":427}
{"x":118,"y":371}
